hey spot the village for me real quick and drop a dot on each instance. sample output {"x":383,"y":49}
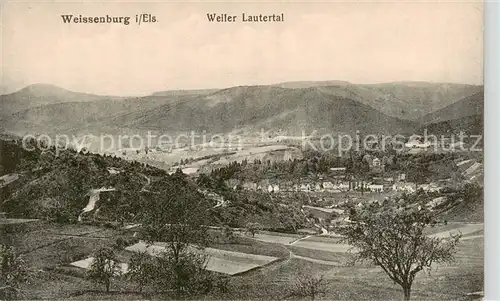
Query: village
{"x":337,"y":180}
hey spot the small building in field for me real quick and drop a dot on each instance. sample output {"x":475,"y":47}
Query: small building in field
{"x":407,"y":187}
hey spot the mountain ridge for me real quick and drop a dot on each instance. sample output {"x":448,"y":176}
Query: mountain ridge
{"x":468,"y":106}
{"x":465,"y":115}
{"x":288,"y":105}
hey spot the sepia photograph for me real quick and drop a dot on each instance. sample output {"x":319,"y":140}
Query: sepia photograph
{"x":242,"y":150}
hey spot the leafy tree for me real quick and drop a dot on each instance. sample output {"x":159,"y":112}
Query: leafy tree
{"x":13,"y":273}
{"x":104,"y":267}
{"x":185,"y":274}
{"x":253,"y":228}
{"x":141,"y":269}
{"x":394,"y":239}
{"x":176,"y":213}
{"x":120,"y":243}
{"x":228,"y":234}
{"x":204,"y":181}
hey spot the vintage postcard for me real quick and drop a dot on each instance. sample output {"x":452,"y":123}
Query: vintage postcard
{"x":241,"y":150}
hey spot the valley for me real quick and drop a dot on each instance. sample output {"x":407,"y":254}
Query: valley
{"x":246,"y":176}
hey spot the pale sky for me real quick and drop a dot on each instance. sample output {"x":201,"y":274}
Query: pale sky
{"x":359,"y":42}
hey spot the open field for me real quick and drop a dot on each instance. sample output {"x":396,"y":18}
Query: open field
{"x":85,"y":264}
{"x":324,"y":239}
{"x":251,"y":246}
{"x":329,"y":247}
{"x":50,"y":245}
{"x":337,"y":258}
{"x":219,"y":153}
{"x":332,"y":249}
{"x":365,"y":282}
{"x":51,"y":249}
{"x":221,"y":261}
{"x":54,"y":277}
{"x":277,"y":238}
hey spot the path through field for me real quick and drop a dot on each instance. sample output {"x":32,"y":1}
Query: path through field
{"x":332,"y":245}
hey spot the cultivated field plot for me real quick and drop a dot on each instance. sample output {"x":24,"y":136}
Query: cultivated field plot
{"x":465,"y":229}
{"x":70,"y":230}
{"x":32,"y":241}
{"x":7,"y":179}
{"x":323,"y":246}
{"x":53,"y":245}
{"x":325,"y":238}
{"x":329,"y":244}
{"x":85,"y":264}
{"x":277,"y":238}
{"x":221,"y":261}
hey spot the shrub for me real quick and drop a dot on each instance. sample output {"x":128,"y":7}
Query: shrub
{"x":120,"y":243}
{"x":308,"y":286}
{"x":184,"y":274}
{"x":13,"y":273}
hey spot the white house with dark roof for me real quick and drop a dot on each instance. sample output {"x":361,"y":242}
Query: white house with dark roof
{"x":404,"y":187}
{"x":375,"y":187}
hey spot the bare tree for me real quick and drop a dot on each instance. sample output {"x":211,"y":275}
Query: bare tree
{"x":394,"y":239}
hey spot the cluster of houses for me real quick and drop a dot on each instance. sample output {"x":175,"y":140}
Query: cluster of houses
{"x":376,"y":184}
{"x":419,"y":144}
{"x":289,"y":186}
{"x":410,"y":187}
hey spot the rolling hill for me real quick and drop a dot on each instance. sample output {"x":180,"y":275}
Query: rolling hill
{"x":472,"y":125}
{"x":251,"y":108}
{"x":310,"y":84}
{"x":326,"y":106}
{"x":80,"y":116}
{"x":464,"y":115}
{"x":43,"y":94}
{"x":405,"y":100}
{"x":469,"y":106}
{"x":184,"y":92}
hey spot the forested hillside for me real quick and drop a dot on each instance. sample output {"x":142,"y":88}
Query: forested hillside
{"x":57,"y":185}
